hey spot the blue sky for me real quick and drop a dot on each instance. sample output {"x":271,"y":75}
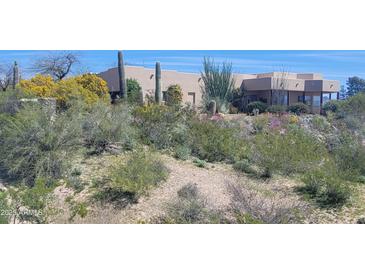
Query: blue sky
{"x":337,"y":65}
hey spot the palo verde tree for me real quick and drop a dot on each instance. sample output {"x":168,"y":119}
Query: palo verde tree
{"x":218,"y":83}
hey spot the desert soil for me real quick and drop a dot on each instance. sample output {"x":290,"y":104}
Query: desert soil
{"x":212,"y":183}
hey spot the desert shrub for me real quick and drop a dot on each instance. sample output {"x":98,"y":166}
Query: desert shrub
{"x":74,"y":181}
{"x":35,"y":144}
{"x":200,"y":163}
{"x":4,"y":209}
{"x":9,"y":103}
{"x":259,"y":123}
{"x":294,"y":151}
{"x":135,"y":177}
{"x":88,"y":88}
{"x":298,"y":108}
{"x":32,"y":204}
{"x":163,"y":126}
{"x":332,"y":105}
{"x":277,"y":109}
{"x":182,"y":152}
{"x":349,"y":156}
{"x":190,"y":208}
{"x":174,"y":95}
{"x":133,"y":91}
{"x":244,"y":166}
{"x":108,"y":128}
{"x":325,"y":186}
{"x":252,"y":207}
{"x":355,"y":105}
{"x":212,"y":141}
{"x":320,"y":123}
{"x":77,"y":209}
{"x":261,"y":106}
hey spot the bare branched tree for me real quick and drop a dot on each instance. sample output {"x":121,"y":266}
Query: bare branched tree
{"x":5,"y":76}
{"x":280,"y":87}
{"x":57,"y":65}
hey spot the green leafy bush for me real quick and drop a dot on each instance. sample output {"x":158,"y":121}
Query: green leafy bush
{"x":244,"y":166}
{"x":294,"y":151}
{"x":259,"y":123}
{"x":349,"y":156}
{"x":32,"y":204}
{"x":215,"y":142}
{"x":107,"y":127}
{"x":320,"y":123}
{"x":261,"y":106}
{"x":200,"y":163}
{"x":299,"y":108}
{"x":174,"y":95}
{"x":133,"y":91}
{"x":332,"y":105}
{"x":277,"y":109}
{"x":35,"y":144}
{"x":182,"y":152}
{"x":142,"y":172}
{"x":4,"y":209}
{"x":77,"y":209}
{"x":325,"y":186}
{"x":163,"y":126}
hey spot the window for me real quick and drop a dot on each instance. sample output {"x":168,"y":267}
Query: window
{"x":308,"y":100}
{"x":251,"y":98}
{"x":326,"y":97}
{"x":192,"y":98}
{"x":316,"y":101}
{"x":279,"y":97}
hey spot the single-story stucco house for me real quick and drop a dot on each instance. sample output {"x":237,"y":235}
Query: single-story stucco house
{"x":275,"y":88}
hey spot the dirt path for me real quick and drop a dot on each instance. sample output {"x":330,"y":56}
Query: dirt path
{"x":211,"y":182}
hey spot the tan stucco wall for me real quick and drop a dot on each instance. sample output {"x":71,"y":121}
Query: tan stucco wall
{"x":288,"y":84}
{"x":322,"y":85}
{"x":189,"y":82}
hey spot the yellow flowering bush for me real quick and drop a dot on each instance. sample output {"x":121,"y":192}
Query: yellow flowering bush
{"x":39,"y":85}
{"x":88,"y":87}
{"x":93,"y":83}
{"x":293,"y":119}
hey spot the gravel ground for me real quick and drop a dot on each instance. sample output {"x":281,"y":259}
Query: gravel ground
{"x":211,"y":182}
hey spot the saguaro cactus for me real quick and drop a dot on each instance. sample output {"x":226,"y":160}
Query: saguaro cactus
{"x":15,"y":75}
{"x":212,"y":107}
{"x":121,"y":74}
{"x":158,"y":93}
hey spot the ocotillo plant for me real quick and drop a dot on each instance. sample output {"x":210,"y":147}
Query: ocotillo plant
{"x":15,"y":75}
{"x":158,"y":94}
{"x":121,"y":74}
